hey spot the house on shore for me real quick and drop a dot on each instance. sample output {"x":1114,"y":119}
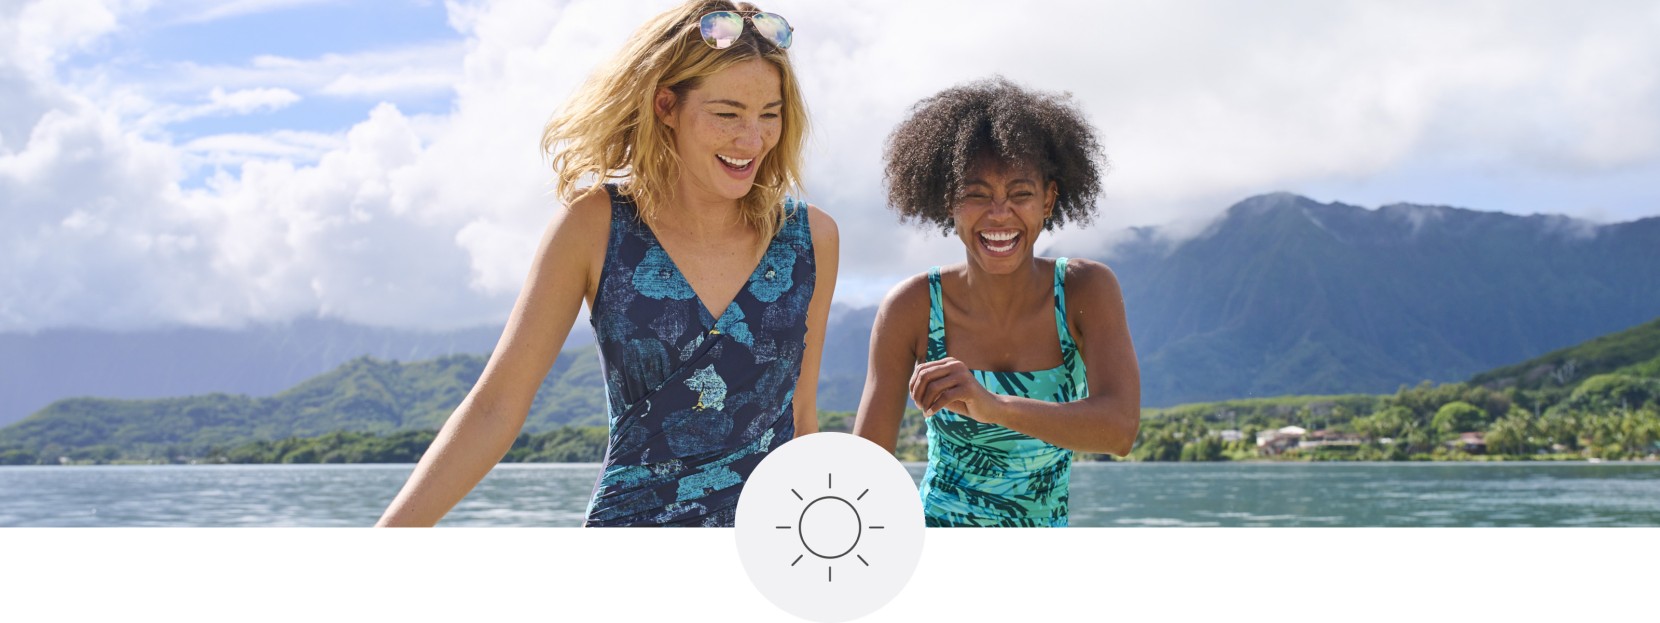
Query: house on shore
{"x":1272,"y":442}
{"x":1331,"y":438}
{"x":1472,"y":443}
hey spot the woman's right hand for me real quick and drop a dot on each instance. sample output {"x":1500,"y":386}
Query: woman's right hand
{"x":948,"y":384}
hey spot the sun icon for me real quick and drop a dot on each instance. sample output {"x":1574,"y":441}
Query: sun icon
{"x":835,"y":502}
{"x":830,"y":527}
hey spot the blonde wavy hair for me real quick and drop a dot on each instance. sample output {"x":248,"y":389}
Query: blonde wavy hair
{"x":609,"y":128}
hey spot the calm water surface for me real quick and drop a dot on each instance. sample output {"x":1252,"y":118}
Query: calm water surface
{"x":1103,"y":494}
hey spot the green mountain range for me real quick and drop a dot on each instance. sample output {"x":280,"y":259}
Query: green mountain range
{"x":39,"y":368}
{"x":388,"y":409}
{"x":1286,"y":295}
{"x":363,"y":395}
{"x":1634,"y":352}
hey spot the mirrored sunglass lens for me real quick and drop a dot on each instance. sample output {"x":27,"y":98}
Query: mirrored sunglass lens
{"x":774,"y":28}
{"x":721,"y":28}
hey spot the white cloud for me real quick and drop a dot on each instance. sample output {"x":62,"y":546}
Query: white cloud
{"x":230,"y":149}
{"x":405,"y":80}
{"x":36,"y":35}
{"x":326,"y":238}
{"x":222,"y":103}
{"x":249,"y":100}
{"x":425,"y":68}
{"x":89,"y":222}
{"x":431,"y":220}
{"x":210,"y":10}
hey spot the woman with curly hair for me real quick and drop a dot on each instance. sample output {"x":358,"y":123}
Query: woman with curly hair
{"x":1016,"y":360}
{"x":708,"y":288}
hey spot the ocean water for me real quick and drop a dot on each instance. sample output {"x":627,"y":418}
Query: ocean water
{"x":1102,"y":494}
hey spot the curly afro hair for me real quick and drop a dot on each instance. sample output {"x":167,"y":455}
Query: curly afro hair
{"x":929,"y":154}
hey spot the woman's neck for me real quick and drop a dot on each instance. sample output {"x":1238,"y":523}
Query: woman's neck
{"x":701,"y":217}
{"x":1004,"y":297}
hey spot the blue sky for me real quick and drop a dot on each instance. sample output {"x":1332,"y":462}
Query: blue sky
{"x":154,"y":47}
{"x":218,"y":163}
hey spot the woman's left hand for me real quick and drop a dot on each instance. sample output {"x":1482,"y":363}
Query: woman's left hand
{"x":948,"y":384}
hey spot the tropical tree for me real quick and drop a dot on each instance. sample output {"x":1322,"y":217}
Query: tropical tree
{"x":1458,"y":417}
{"x":1162,"y":446}
{"x":1515,"y":434}
{"x":1392,"y":422}
{"x":1605,"y":392}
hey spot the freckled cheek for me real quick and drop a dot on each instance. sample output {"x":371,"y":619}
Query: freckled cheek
{"x":770,"y":134}
{"x":716,"y":132}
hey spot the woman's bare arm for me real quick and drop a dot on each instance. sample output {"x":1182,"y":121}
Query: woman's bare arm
{"x":901,"y":324}
{"x":826,"y":257}
{"x":483,"y":427}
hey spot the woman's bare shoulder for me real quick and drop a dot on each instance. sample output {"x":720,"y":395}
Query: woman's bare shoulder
{"x":907,"y":299}
{"x":823,"y":226}
{"x":589,"y":213}
{"x":1089,"y":274}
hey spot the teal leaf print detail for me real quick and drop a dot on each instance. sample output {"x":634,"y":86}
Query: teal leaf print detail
{"x":1015,"y":382}
{"x":696,"y":431}
{"x":677,"y":510}
{"x":657,"y":277}
{"x":716,"y":475}
{"x":773,"y":276}
{"x":936,"y":318}
{"x":796,"y":227}
{"x":629,"y":476}
{"x":732,"y":323}
{"x":691,"y":347}
{"x":645,"y":359}
{"x":705,"y":482}
{"x":710,"y":387}
{"x":614,"y":322}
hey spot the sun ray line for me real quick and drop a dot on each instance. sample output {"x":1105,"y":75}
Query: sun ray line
{"x":861,"y":559}
{"x":861,"y":495}
{"x":798,"y":495}
{"x":797,"y":559}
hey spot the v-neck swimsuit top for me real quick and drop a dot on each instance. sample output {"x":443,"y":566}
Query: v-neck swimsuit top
{"x":987,"y":475}
{"x":694,"y":402}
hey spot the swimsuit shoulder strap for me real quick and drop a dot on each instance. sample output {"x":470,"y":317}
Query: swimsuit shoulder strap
{"x":936,"y":317}
{"x":1067,"y":344}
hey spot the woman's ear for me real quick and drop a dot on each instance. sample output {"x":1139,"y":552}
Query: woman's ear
{"x":1049,"y":194}
{"x":663,"y":105}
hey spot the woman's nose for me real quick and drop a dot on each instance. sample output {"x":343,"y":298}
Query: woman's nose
{"x":750,"y":138}
{"x":1001,"y":206}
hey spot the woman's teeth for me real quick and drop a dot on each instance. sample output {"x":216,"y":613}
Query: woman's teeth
{"x":735,"y":163}
{"x":1000,"y":241}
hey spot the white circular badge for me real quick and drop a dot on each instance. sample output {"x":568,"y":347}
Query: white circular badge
{"x":829,"y":527}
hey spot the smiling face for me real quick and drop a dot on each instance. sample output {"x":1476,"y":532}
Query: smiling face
{"x":724,"y":128}
{"x":1000,"y":212}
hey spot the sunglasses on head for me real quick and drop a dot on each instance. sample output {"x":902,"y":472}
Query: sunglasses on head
{"x":721,"y":29}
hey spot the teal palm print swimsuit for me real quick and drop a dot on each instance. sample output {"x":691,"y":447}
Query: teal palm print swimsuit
{"x":694,"y":401}
{"x":987,"y":475}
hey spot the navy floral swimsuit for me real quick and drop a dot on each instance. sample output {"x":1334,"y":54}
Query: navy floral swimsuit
{"x":694,"y":402}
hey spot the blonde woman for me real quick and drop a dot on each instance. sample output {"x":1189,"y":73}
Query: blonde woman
{"x":708,"y":288}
